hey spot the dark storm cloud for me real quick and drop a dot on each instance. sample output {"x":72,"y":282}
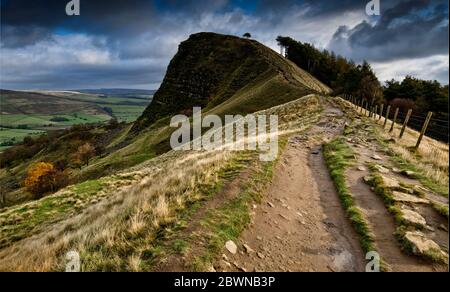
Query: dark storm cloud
{"x":410,"y":29}
{"x":20,"y":36}
{"x":109,"y":18}
{"x":129,"y":43}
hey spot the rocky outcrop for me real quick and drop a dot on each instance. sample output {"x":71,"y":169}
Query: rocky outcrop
{"x":422,"y":246}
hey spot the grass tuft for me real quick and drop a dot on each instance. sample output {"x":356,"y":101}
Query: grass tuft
{"x":337,"y":154}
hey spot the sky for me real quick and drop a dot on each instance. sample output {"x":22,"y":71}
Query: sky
{"x":129,"y":43}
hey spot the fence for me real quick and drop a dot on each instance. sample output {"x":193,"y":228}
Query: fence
{"x":427,"y":125}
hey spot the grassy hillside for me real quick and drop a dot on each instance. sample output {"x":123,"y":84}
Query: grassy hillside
{"x":224,"y":74}
{"x":212,"y":70}
{"x":259,"y":80}
{"x":135,"y":206}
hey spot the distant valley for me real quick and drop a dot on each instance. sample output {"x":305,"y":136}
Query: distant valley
{"x":26,"y":113}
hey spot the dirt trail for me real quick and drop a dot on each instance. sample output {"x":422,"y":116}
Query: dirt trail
{"x":380,"y":221}
{"x":301,"y":226}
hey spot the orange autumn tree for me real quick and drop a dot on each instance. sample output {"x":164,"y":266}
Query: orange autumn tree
{"x":42,"y":178}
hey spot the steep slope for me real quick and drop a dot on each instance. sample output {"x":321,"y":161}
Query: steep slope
{"x":222,"y":74}
{"x":211,"y":70}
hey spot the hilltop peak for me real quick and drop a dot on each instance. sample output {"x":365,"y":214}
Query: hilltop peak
{"x":210,"y":69}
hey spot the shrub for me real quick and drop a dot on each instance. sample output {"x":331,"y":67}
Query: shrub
{"x":84,"y":154}
{"x":43,"y":178}
{"x":59,"y":119}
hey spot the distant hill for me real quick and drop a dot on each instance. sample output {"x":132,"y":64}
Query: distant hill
{"x":227,"y":74}
{"x":41,"y":106}
{"x":28,"y":103}
{"x":117,"y":91}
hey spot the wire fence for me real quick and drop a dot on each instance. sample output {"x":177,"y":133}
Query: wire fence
{"x":427,"y":125}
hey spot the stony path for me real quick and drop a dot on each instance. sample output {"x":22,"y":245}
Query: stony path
{"x":300,"y":226}
{"x":381,"y":222}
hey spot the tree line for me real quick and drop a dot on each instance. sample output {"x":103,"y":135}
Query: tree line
{"x":345,"y":76}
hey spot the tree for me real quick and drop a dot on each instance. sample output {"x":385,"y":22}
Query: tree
{"x":247,"y":35}
{"x":43,"y":178}
{"x":426,"y":95}
{"x":84,"y":154}
{"x":108,"y":110}
{"x":369,"y":86}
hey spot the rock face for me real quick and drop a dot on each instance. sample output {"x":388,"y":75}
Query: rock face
{"x":405,"y":198}
{"x":409,"y":173}
{"x":376,"y":157}
{"x":390,"y":182}
{"x":424,"y":246}
{"x":413,"y":217}
{"x":210,"y":68}
{"x":381,"y":169}
{"x":231,"y":247}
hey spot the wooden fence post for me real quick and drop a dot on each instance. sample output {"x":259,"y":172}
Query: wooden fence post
{"x":381,"y":111}
{"x":375,"y":111}
{"x":388,"y":111}
{"x":405,"y":123}
{"x":394,"y":120}
{"x":424,"y":129}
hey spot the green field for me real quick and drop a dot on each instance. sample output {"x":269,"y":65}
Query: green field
{"x":15,"y":136}
{"x":35,"y":121}
{"x":28,"y":113}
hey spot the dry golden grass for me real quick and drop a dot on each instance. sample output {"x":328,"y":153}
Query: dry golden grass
{"x":431,"y":157}
{"x":118,"y":224}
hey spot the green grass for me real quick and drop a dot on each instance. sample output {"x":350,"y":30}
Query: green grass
{"x":180,"y":246}
{"x":38,"y":120}
{"x":338,"y":157}
{"x":119,"y":99}
{"x":441,"y":209}
{"x":22,"y":221}
{"x":380,"y":188}
{"x":16,"y":135}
